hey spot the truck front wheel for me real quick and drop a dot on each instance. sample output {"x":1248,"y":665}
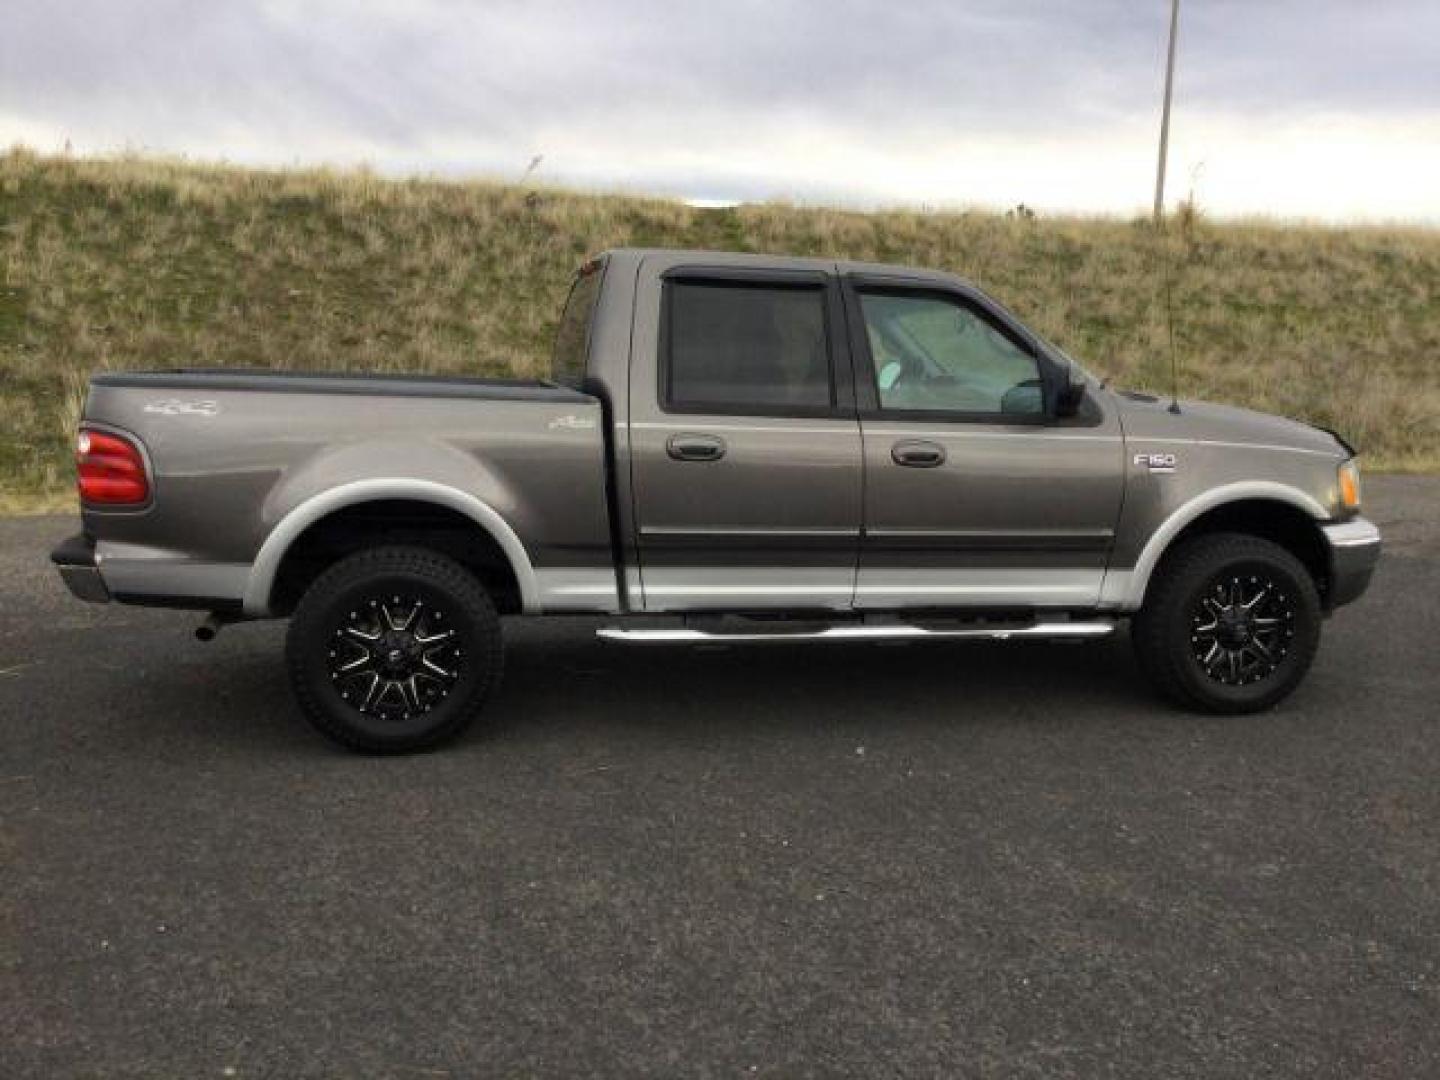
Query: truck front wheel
{"x":1230,"y":624}
{"x":393,"y":649}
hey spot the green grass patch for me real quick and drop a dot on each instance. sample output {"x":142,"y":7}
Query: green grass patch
{"x":128,"y":263}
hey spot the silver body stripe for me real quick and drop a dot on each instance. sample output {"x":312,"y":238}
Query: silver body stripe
{"x":899,"y":588}
{"x":740,"y":530}
{"x":699,"y":588}
{"x":571,"y":589}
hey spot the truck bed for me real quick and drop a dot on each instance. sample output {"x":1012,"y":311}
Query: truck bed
{"x":242,"y":461}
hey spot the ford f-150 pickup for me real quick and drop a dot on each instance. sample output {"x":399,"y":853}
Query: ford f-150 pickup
{"x":731,"y":448}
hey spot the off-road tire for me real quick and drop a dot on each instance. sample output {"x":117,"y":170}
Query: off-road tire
{"x":329,"y":630}
{"x":1164,"y":630}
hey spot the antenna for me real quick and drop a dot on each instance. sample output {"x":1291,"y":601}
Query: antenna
{"x":1160,"y":230}
{"x":1167,"y":273}
{"x":1165,"y":111}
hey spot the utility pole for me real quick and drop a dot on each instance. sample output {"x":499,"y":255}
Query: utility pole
{"x":1165,"y":115}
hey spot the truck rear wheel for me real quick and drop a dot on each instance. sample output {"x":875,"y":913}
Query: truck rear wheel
{"x":393,"y":649}
{"x":1230,"y":624}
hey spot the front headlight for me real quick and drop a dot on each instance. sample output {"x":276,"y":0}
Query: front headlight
{"x":1349,"y":478}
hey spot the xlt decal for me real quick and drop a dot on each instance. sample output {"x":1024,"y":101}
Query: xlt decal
{"x":571,"y":423}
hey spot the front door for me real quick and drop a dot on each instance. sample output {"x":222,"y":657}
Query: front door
{"x":744,"y":443}
{"x":975,"y":496}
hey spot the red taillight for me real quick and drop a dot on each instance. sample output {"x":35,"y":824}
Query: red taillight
{"x":110,"y":469}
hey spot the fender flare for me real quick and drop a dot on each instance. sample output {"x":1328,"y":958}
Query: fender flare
{"x":1125,"y":589}
{"x":288,"y":529}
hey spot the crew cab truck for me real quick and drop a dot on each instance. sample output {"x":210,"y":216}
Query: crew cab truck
{"x":731,"y":448}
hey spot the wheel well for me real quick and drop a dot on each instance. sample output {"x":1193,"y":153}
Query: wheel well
{"x":394,"y":521}
{"x":1283,"y":524}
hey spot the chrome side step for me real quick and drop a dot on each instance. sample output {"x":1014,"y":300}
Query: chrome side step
{"x":688,"y":635}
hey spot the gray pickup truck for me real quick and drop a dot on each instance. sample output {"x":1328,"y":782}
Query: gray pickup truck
{"x":731,"y":448}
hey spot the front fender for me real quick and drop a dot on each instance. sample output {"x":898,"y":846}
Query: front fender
{"x":1124,"y":589}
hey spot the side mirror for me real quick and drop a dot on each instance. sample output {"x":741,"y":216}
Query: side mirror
{"x":1071,"y":395}
{"x":1027,"y":398}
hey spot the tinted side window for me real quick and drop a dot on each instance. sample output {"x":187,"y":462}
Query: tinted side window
{"x":935,"y":354}
{"x":740,"y":347}
{"x":567,"y":366}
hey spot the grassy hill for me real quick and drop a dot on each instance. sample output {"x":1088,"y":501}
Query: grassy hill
{"x":135,"y":263}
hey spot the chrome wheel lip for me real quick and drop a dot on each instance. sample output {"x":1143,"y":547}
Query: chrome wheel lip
{"x":1241,"y":627}
{"x":394,"y":655}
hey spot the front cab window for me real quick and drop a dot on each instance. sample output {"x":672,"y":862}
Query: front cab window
{"x":935,"y":353}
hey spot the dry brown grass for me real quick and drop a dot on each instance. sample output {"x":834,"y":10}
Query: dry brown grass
{"x":143,"y":263}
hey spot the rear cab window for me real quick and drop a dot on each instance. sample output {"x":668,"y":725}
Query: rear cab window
{"x":572,"y":339}
{"x":746,"y":347}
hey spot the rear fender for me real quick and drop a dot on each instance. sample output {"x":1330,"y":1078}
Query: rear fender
{"x":297,"y":519}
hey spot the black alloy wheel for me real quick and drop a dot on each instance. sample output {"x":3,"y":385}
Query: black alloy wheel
{"x":1230,"y":623}
{"x":394,"y":649}
{"x":394,"y":657}
{"x":1241,"y":629}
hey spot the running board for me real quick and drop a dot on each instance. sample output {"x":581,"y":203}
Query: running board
{"x":687,"y":635}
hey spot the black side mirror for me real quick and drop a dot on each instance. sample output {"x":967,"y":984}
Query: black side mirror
{"x":1071,"y":394}
{"x":1027,"y":397}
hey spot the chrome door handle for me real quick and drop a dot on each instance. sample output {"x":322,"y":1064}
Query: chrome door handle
{"x":917,"y":454}
{"x":686,"y":447}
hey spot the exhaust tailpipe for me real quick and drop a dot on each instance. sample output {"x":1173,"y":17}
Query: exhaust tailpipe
{"x":207,"y":630}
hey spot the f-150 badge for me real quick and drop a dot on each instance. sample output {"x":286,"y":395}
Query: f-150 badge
{"x":1157,"y":462}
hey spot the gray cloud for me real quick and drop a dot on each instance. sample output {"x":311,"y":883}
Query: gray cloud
{"x":396,"y":81}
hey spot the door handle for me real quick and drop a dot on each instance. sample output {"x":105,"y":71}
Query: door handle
{"x":918,"y":454}
{"x":687,"y":447}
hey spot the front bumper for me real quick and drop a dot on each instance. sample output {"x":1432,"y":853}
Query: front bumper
{"x":79,"y":569}
{"x":1354,"y":550}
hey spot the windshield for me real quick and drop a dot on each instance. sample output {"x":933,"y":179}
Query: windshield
{"x":572,"y":340}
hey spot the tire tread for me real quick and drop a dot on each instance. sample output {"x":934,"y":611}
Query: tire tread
{"x":1182,"y":571}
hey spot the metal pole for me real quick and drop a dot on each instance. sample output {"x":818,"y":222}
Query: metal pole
{"x":1165,"y":114}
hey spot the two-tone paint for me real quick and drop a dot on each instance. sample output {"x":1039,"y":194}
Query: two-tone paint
{"x":603,"y":500}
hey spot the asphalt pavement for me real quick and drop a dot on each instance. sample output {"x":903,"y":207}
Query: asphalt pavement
{"x":863,"y":860}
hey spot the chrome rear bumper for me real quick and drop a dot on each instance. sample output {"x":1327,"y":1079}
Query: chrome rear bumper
{"x":79,"y":569}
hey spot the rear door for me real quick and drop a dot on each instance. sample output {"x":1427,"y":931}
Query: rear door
{"x":976,"y":495}
{"x":744,"y":444}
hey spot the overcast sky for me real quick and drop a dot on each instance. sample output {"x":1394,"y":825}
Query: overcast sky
{"x":1321,"y":108}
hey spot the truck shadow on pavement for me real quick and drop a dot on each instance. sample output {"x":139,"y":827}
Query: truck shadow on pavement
{"x":554,"y":683}
{"x":560,"y":681}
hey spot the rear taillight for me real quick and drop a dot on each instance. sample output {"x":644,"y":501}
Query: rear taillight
{"x":111,"y":469}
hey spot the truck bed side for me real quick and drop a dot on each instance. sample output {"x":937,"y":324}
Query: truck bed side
{"x":243,"y":464}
